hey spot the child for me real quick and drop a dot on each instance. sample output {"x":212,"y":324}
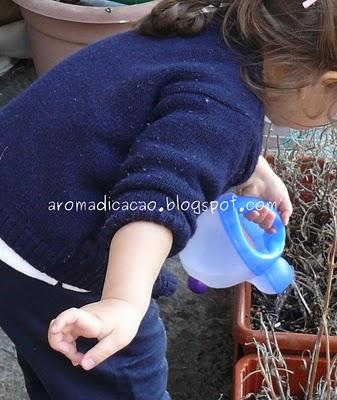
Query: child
{"x":143,"y":121}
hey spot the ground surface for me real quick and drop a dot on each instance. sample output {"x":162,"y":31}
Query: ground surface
{"x":200,"y":345}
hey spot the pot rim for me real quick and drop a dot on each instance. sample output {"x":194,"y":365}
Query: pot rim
{"x":86,"y":14}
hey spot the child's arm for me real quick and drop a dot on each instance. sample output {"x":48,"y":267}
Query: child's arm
{"x":193,"y":148}
{"x":137,"y":253}
{"x":138,"y":250}
{"x":266,"y":184}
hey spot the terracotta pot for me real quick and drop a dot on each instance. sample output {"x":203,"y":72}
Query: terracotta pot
{"x":289,"y":342}
{"x":57,"y":30}
{"x":252,"y":384}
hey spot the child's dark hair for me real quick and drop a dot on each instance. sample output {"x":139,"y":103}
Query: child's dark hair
{"x":302,"y":41}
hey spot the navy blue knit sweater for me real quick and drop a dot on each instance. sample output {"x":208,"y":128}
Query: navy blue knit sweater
{"x":133,"y":118}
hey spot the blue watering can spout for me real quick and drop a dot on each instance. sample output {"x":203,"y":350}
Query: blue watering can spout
{"x":276,"y":279}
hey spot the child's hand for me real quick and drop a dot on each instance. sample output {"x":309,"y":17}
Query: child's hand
{"x":113,"y":322}
{"x":265,"y":184}
{"x":272,"y":191}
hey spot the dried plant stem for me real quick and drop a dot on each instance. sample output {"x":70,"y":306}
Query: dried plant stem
{"x":323,"y":328}
{"x":301,"y":298}
{"x":273,"y":363}
{"x":328,"y":359}
{"x":267,"y":381}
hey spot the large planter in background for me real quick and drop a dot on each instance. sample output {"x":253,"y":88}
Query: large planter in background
{"x":248,"y":364}
{"x":57,"y":30}
{"x":288,"y":342}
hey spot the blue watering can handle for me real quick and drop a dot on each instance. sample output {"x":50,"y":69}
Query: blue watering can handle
{"x":246,"y":205}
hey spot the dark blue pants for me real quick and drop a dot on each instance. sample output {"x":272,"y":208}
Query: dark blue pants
{"x":27,"y":305}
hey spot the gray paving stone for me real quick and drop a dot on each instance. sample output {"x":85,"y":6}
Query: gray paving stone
{"x":11,"y":381}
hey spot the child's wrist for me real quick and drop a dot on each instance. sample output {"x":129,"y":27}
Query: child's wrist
{"x":262,"y":174}
{"x":139,"y":297}
{"x":264,"y":170}
{"x":139,"y":309}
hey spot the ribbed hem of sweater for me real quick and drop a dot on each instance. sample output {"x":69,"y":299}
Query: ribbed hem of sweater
{"x":77,"y":270}
{"x":25,"y":242}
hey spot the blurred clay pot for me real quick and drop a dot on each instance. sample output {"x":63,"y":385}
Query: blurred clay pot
{"x":57,"y":30}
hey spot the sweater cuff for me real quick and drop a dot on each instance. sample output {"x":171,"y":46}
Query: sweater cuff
{"x":151,"y":206}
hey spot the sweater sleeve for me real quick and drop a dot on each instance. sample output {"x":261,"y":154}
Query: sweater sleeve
{"x":193,"y":149}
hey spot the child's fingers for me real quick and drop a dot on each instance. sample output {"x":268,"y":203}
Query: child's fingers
{"x":67,"y":327}
{"x":67,"y":317}
{"x":268,"y":221}
{"x":82,"y":321}
{"x":258,"y":216}
{"x":75,"y":356}
{"x":264,"y":218}
{"x":66,"y":344}
{"x":69,"y":349}
{"x":100,"y":352}
{"x":58,"y":342}
{"x":286,"y":209}
{"x":286,"y":216}
{"x":55,"y":339}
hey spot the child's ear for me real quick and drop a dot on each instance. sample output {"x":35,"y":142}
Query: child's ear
{"x":329,"y":79}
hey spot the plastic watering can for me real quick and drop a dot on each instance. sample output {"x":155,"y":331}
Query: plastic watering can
{"x":228,"y":249}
